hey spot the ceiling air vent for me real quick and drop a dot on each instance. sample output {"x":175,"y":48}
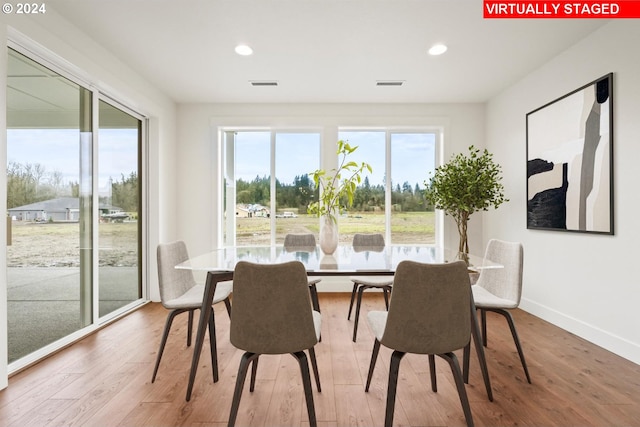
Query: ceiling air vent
{"x":263,"y":82}
{"x":389,"y":82}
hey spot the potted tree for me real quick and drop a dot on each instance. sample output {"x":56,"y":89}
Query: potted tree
{"x":464,"y":185}
{"x":336,"y":190}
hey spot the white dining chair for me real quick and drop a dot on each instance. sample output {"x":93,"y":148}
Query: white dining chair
{"x":180,"y":293}
{"x":500,"y":289}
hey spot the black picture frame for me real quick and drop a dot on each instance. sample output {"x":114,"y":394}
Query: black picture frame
{"x":570,"y":161}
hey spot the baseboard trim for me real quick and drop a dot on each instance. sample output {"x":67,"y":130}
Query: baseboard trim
{"x":613,"y":343}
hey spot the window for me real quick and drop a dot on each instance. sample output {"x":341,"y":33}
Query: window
{"x":395,"y":207}
{"x":412,"y":160}
{"x":368,"y":212}
{"x":296,"y":155}
{"x":260,"y":210}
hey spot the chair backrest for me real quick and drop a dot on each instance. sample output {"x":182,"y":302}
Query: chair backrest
{"x":504,"y":282}
{"x":302,"y":241}
{"x":430,"y":310}
{"x":173,"y":282}
{"x":375,"y":241}
{"x":272,"y":311}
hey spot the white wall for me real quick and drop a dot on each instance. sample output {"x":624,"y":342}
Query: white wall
{"x":54,"y":36}
{"x":199,"y":210}
{"x":587,"y":284}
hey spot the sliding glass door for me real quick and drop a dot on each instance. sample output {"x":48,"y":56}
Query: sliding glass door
{"x":119,"y":257}
{"x":60,"y":209}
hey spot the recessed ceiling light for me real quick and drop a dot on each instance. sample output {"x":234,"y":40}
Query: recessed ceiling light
{"x":244,"y":50}
{"x":437,"y":49}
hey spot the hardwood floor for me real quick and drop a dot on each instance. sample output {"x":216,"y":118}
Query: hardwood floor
{"x":105,"y":380}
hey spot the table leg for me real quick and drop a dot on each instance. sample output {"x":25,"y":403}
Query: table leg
{"x":213,"y":277}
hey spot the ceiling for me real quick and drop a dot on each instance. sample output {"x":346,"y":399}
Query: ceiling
{"x":322,"y":50}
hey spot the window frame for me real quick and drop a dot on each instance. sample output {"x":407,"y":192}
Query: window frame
{"x":228,"y":200}
{"x":328,"y":161}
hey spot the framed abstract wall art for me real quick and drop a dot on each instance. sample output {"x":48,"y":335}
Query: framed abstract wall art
{"x":570,"y":161}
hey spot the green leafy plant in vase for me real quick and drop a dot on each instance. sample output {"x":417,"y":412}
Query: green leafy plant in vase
{"x":337,"y":188}
{"x":464,"y":185}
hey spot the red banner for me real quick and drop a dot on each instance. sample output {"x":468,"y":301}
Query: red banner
{"x":562,"y":9}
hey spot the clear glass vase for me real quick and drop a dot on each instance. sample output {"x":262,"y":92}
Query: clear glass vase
{"x":328,"y":235}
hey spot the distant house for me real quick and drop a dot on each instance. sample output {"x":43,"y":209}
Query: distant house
{"x":242,"y":211}
{"x":251,"y":210}
{"x":60,"y":209}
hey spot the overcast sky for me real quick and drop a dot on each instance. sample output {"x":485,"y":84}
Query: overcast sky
{"x":413,"y":155}
{"x":297,"y":154}
{"x":57,"y":150}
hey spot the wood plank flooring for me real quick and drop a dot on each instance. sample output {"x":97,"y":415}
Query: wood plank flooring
{"x":105,"y":380}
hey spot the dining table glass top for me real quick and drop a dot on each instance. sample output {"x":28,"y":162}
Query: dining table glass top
{"x":345,"y":260}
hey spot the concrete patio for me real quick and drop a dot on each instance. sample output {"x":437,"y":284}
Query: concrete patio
{"x":43,"y":303}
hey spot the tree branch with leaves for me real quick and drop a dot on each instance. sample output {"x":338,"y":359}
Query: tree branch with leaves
{"x":464,"y":185}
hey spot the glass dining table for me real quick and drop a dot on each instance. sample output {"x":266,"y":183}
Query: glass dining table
{"x":345,"y":261}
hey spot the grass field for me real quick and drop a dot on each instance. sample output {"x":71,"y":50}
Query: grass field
{"x":406,"y":227}
{"x":58,"y":244}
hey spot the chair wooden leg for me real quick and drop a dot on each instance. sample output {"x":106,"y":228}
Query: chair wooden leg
{"x":372,"y":364}
{"x":314,"y":366}
{"x":358,"y":304}
{"x":237,"y":393}
{"x":313,"y":290}
{"x":254,"y":372}
{"x":306,"y":382}
{"x":386,"y":291}
{"x":163,"y":341}
{"x":353,"y":297}
{"x":227,"y":304}
{"x":190,"y":328}
{"x":466,"y":356}
{"x":462,"y":392}
{"x":516,"y":340}
{"x":396,"y":357}
{"x":432,"y":372}
{"x":213,"y":346}
{"x":477,"y":343}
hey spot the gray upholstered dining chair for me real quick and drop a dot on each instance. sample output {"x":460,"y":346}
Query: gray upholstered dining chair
{"x":430,"y":313}
{"x":180,"y":293}
{"x":499,"y":289}
{"x":272,"y":314}
{"x":304,"y":242}
{"x":367,"y":242}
